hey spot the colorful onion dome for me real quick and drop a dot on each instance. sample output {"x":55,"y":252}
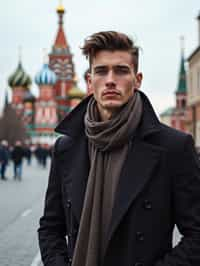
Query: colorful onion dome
{"x":19,"y":78}
{"x":45,"y":76}
{"x":75,"y":92}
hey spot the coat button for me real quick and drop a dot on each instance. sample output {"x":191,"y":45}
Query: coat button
{"x":68,"y":203}
{"x":140,"y":236}
{"x":70,"y":260}
{"x":147,"y":205}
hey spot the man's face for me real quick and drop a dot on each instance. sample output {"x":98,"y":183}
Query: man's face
{"x":113,"y":79}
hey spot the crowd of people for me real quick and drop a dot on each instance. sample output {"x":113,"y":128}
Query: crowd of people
{"x":18,"y":153}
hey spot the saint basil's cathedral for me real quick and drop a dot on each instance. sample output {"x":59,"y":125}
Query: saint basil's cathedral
{"x":58,"y":91}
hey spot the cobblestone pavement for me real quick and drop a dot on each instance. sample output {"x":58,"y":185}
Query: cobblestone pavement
{"x":21,"y":205}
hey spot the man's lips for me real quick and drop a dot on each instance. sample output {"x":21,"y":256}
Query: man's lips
{"x":110,"y":93}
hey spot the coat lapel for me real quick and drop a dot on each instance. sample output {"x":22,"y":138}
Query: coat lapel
{"x":79,"y":175}
{"x":137,"y":171}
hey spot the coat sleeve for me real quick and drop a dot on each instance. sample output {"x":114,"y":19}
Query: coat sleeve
{"x":186,"y":207}
{"x":52,"y":229}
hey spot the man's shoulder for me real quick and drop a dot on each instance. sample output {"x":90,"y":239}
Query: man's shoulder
{"x":172,"y":132}
{"x":169,"y":139}
{"x":173,"y":139}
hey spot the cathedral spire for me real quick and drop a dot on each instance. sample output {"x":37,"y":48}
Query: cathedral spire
{"x":60,"y":42}
{"x":60,"y":8}
{"x":182,"y":86}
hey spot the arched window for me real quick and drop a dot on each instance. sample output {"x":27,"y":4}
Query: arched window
{"x":183,"y":103}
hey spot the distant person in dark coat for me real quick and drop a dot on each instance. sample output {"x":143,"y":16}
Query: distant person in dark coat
{"x":44,"y":155}
{"x":4,"y":157}
{"x":17,"y":157}
{"x":28,"y":154}
{"x":38,"y":154}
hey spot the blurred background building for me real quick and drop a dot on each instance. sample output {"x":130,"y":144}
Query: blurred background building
{"x":58,"y":89}
{"x":185,"y":115}
{"x":36,"y":117}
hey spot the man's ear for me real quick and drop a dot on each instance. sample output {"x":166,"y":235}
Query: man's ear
{"x":89,"y":83}
{"x":138,"y":82}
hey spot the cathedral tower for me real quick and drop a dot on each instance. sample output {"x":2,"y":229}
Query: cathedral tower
{"x":46,"y":105}
{"x":60,"y":61}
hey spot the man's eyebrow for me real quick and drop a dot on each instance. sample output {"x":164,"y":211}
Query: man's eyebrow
{"x":99,"y":66}
{"x":118,"y":65}
{"x":123,"y":65}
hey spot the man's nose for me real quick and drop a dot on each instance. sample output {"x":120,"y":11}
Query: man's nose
{"x":110,"y":78}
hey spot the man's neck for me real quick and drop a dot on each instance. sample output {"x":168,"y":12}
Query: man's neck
{"x":106,"y":114}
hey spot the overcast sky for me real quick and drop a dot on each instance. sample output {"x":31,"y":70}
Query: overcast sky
{"x":156,"y":26}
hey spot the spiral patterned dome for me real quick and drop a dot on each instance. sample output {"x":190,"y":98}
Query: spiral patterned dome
{"x":46,"y":76}
{"x":19,"y":78}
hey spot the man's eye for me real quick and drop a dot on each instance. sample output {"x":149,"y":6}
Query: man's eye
{"x":121,"y":70}
{"x":100,"y":71}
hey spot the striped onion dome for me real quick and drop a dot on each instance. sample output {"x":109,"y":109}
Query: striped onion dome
{"x":45,"y":76}
{"x":19,"y":78}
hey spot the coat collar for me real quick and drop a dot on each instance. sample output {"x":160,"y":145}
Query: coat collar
{"x":73,"y":124}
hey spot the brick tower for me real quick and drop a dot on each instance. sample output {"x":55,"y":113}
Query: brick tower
{"x":60,"y":61}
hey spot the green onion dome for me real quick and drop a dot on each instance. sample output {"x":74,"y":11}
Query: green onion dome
{"x":19,"y":78}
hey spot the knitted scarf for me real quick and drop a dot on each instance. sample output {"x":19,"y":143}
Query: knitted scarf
{"x":108,"y":147}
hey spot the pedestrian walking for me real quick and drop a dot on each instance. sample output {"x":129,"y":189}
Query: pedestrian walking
{"x":4,"y":158}
{"x":44,"y":155}
{"x":120,"y":180}
{"x":17,"y":156}
{"x":38,"y":154}
{"x":28,"y":154}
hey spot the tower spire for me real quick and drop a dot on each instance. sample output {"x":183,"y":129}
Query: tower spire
{"x":60,"y":41}
{"x":60,"y":11}
{"x":182,"y":86}
{"x":182,"y":43}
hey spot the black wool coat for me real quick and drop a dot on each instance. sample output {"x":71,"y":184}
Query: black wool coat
{"x":158,"y":188}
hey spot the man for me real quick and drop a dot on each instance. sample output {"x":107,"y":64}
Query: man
{"x":17,"y":156}
{"x":4,"y":158}
{"x":120,"y":180}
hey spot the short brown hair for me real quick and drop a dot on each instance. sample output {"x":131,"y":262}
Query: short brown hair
{"x":110,"y":41}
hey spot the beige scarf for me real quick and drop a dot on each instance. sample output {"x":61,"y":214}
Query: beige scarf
{"x":108,"y":147}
